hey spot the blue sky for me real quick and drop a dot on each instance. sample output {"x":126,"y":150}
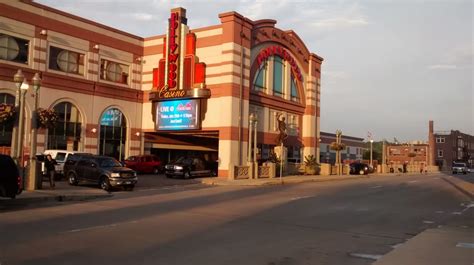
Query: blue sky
{"x":389,"y":66}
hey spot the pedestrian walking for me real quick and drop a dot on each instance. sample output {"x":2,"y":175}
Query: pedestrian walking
{"x":50,"y":169}
{"x":405,"y":167}
{"x":422,"y":168}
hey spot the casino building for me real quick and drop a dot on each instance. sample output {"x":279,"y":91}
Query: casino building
{"x":188,"y":91}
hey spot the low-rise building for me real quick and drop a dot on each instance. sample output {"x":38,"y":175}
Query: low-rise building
{"x":453,"y":146}
{"x":355,"y":147}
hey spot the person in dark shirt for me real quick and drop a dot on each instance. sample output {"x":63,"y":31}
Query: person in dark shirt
{"x":50,"y":169}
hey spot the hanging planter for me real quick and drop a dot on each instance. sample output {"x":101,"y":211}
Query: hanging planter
{"x":47,"y":118}
{"x":337,"y":146}
{"x":7,"y":113}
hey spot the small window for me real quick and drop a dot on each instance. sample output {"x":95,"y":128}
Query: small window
{"x":13,"y":49}
{"x":440,"y":153}
{"x":66,"y":61}
{"x":440,"y":140}
{"x":114,"y":72}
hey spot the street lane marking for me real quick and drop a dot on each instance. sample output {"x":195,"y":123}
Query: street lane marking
{"x":365,"y":256}
{"x":98,"y":227}
{"x":457,"y":213}
{"x":428,"y":222}
{"x":376,"y":187}
{"x":465,"y":245}
{"x":299,"y":198}
{"x":412,"y":181}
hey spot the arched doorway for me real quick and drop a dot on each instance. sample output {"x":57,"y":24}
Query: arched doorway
{"x":113,"y":134}
{"x":66,"y":135}
{"x":6,"y":128}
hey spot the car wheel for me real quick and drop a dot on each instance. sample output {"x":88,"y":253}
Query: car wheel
{"x":187,"y":175}
{"x":129,"y":187}
{"x":156,"y":171}
{"x":105,"y":184}
{"x":72,"y":179}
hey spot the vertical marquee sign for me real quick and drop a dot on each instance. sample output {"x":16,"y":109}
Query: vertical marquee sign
{"x":173,"y":50}
{"x":179,"y":81}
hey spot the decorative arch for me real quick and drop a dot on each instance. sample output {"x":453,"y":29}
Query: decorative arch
{"x":113,"y":132}
{"x":256,"y":67}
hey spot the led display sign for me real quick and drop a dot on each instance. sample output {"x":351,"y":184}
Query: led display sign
{"x":178,"y":115}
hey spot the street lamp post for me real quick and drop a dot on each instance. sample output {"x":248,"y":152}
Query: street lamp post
{"x":18,"y":78}
{"x":36,"y":81}
{"x":21,"y":126}
{"x":371,"y":141}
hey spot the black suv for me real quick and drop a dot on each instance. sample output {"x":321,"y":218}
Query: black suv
{"x":10,"y":180}
{"x":187,"y":167}
{"x":359,"y":168}
{"x":103,"y":170}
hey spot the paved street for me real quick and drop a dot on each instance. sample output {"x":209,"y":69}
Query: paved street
{"x":342,"y":222}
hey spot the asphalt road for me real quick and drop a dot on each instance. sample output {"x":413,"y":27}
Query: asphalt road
{"x":343,"y":222}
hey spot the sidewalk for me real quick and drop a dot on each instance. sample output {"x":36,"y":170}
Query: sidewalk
{"x":440,"y":246}
{"x":462,"y":185}
{"x":62,"y":192}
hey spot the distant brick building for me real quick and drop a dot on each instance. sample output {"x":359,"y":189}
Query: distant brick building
{"x":453,"y":146}
{"x":413,"y":155}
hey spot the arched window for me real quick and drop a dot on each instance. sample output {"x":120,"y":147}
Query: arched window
{"x":6,"y":128}
{"x":294,"y":90}
{"x":66,"y":135}
{"x":260,"y":79}
{"x":113,"y":133}
{"x":278,"y":76}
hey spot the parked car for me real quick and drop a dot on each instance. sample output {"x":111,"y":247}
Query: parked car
{"x":105,"y":171}
{"x":359,"y":168}
{"x":188,"y":167}
{"x":60,"y":156}
{"x":10,"y":180}
{"x":460,"y":168}
{"x":145,"y":164}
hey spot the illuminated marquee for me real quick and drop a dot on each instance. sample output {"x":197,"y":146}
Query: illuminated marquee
{"x":282,"y":53}
{"x":173,"y":52}
{"x":182,"y":114}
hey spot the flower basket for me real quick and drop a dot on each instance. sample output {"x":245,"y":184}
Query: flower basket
{"x":337,"y":147}
{"x":47,"y":118}
{"x":7,"y":113}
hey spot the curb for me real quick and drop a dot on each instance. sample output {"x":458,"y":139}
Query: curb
{"x":463,"y":186}
{"x":50,"y":198}
{"x":276,"y":181}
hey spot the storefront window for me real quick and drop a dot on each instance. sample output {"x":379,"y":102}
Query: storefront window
{"x":13,"y":49}
{"x":6,"y":128}
{"x":66,"y":135}
{"x":113,"y":129}
{"x":278,"y":76}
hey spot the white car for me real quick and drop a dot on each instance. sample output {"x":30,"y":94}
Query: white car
{"x":60,"y":156}
{"x":460,"y":168}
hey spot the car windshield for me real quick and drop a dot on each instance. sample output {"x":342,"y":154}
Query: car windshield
{"x":108,"y":162}
{"x":60,"y":157}
{"x":459,"y":165}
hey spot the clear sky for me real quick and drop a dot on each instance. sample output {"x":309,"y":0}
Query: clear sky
{"x":389,"y":66}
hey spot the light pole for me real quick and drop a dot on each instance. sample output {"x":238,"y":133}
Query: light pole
{"x":36,"y":81}
{"x":371,"y":141}
{"x":23,"y":85}
{"x":18,"y":78}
